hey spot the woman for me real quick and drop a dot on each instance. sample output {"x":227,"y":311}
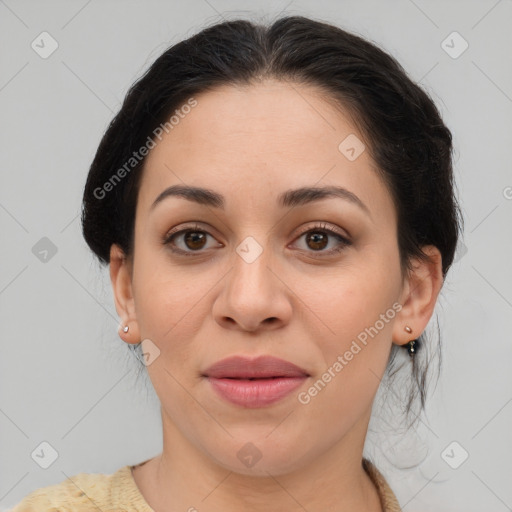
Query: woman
{"x":277,"y":208}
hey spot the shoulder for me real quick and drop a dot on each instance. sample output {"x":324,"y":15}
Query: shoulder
{"x":79,"y":493}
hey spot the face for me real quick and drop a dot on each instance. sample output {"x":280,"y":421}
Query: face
{"x":312,"y":280}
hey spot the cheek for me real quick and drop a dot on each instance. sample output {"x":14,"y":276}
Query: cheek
{"x":354,"y":338}
{"x":347,"y":303}
{"x":170,"y":302}
{"x":354,"y":316}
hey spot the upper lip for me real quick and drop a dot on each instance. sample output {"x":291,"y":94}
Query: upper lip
{"x":240,"y":367}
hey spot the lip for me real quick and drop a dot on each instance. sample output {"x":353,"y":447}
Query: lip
{"x":254,"y":382}
{"x":240,"y":367}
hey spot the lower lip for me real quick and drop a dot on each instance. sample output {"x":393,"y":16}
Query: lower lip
{"x":257,"y":392}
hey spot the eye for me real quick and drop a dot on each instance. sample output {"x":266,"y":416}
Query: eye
{"x":317,"y":239}
{"x":188,"y":241}
{"x":193,"y":240}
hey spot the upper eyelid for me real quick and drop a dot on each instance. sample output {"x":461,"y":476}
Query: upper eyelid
{"x":326,"y":226}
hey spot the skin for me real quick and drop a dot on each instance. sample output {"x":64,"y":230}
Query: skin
{"x":250,"y":144}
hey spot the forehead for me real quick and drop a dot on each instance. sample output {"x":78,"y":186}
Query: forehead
{"x":260,"y":138}
{"x":277,"y":114}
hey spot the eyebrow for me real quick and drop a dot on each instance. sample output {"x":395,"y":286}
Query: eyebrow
{"x":287,"y":199}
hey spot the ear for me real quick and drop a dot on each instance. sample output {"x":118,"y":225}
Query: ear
{"x":421,"y":289}
{"x":121,"y":279}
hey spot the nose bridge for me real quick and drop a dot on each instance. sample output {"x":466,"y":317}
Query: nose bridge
{"x":252,"y":296}
{"x":251,"y":263}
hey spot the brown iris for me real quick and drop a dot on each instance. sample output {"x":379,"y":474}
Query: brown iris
{"x":195,"y":239}
{"x":318,"y":239}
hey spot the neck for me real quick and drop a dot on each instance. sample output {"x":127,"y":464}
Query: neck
{"x":184,"y":477}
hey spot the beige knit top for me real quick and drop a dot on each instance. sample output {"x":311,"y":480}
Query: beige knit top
{"x":118,"y":492}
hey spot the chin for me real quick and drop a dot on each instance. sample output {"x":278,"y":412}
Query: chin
{"x":260,"y":458}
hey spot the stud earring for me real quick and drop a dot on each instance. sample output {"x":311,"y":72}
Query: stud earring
{"x":125,"y":328}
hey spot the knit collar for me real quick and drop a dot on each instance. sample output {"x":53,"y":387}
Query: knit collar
{"x":124,"y":488}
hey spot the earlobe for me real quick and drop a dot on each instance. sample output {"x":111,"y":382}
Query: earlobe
{"x":120,"y":277}
{"x":420,"y":293}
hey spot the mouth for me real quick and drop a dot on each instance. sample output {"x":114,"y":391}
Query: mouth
{"x":256,"y":382}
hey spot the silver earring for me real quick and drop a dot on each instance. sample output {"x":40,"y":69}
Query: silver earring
{"x":125,"y":328}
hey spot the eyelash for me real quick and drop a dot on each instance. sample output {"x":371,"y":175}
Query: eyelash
{"x":321,"y":227}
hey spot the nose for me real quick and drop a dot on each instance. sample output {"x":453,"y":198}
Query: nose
{"x":253,"y":297}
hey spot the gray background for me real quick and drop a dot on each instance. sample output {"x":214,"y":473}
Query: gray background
{"x":67,"y":379}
